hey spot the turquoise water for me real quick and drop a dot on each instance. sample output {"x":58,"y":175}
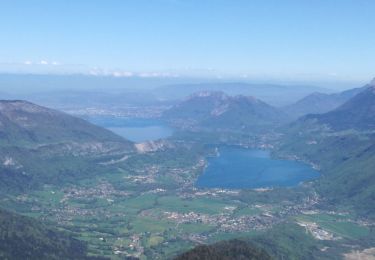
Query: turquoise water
{"x":134,"y":129}
{"x":246,"y":168}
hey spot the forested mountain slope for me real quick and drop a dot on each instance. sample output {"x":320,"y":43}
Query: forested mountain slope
{"x":25,"y":238}
{"x":342,"y":144}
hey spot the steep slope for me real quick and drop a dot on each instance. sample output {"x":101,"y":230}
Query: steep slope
{"x":216,"y":110}
{"x":197,"y":106}
{"x":357,"y":113}
{"x":21,"y":121}
{"x":318,"y":103}
{"x":25,"y":238}
{"x":342,"y":144}
{"x":43,"y":146}
{"x":226,"y":250}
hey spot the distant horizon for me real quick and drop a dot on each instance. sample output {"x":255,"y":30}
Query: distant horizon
{"x":15,"y":82}
{"x":144,"y":129}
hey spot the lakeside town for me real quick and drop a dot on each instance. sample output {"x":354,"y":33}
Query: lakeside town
{"x":166,"y":196}
{"x":82,"y":205}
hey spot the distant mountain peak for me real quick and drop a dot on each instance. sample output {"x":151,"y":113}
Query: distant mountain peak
{"x":212,"y":109}
{"x":250,"y":99}
{"x":372,"y":85}
{"x":221,"y":96}
{"x":319,"y":103}
{"x":214,"y":94}
{"x":317,"y":94}
{"x":356,"y":113}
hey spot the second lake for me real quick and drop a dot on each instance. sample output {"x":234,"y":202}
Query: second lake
{"x":134,"y":129}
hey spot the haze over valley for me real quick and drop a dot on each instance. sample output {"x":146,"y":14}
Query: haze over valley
{"x":187,"y":130}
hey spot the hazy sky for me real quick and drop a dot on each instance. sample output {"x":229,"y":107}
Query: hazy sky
{"x":302,"y":39}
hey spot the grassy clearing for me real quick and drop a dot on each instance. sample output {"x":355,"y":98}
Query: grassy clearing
{"x":142,"y":224}
{"x":337,"y":224}
{"x":200,"y":205}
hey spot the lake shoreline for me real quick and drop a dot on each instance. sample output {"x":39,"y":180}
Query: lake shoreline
{"x":273,"y":172}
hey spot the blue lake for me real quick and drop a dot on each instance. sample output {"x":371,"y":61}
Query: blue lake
{"x":134,"y":129}
{"x":237,"y":168}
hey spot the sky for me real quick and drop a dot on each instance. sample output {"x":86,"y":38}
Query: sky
{"x":245,"y":39}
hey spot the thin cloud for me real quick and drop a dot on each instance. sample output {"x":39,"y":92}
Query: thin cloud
{"x":41,"y":62}
{"x":119,"y":74}
{"x":126,"y":74}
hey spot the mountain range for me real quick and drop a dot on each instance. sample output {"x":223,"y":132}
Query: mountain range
{"x":218,"y":111}
{"x":42,"y":146}
{"x":318,"y":103}
{"x":276,"y":95}
{"x":357,"y":113}
{"x":342,"y":144}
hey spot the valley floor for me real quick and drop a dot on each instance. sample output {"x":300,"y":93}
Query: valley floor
{"x":147,"y":207}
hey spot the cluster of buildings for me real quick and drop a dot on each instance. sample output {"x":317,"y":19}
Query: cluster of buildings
{"x":317,"y":232}
{"x":103,"y":190}
{"x":126,"y":111}
{"x":224,"y":222}
{"x":133,"y":249}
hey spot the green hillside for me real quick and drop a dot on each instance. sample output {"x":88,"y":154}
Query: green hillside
{"x":22,"y":122}
{"x":342,"y":144}
{"x":319,"y":103}
{"x":357,"y":113}
{"x":42,"y":146}
{"x":25,"y":238}
{"x":226,"y":250}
